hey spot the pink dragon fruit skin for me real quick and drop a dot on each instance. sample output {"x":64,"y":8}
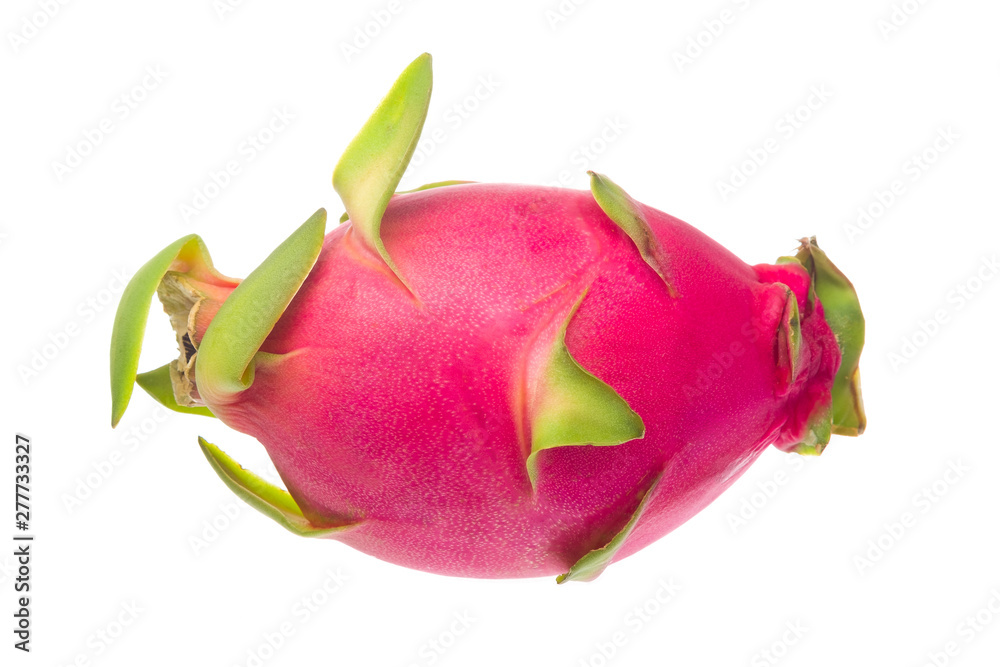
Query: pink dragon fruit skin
{"x":491,"y":380}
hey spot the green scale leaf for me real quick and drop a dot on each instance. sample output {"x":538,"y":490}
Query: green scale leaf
{"x":224,"y":366}
{"x":187,"y":255}
{"x":572,"y":407}
{"x":592,"y":564}
{"x":373,"y":163}
{"x":626,"y":213}
{"x":270,"y":500}
{"x":842,"y":311}
{"x":789,"y":342}
{"x":157,"y":384}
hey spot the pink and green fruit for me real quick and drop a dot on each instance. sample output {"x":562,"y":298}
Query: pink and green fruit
{"x":489,"y":380}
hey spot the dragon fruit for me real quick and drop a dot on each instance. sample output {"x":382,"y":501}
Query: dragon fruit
{"x":489,"y":380}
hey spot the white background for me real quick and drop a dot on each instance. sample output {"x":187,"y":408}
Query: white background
{"x":124,"y":534}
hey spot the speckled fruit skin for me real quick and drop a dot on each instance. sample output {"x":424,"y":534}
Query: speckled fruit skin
{"x":404,"y":413}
